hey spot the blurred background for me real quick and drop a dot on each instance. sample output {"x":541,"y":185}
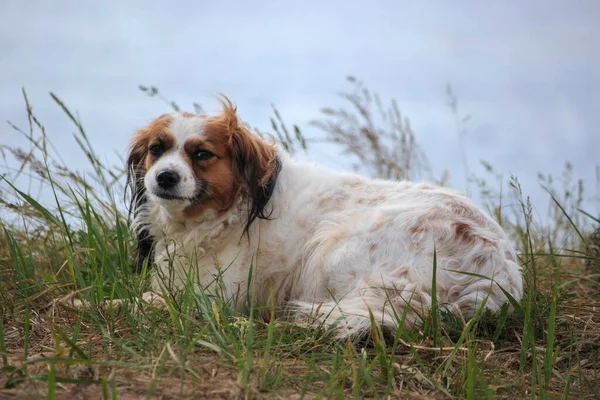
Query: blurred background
{"x":514,"y":84}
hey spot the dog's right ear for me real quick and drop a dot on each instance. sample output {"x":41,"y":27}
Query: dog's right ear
{"x":136,"y":171}
{"x":255,"y":164}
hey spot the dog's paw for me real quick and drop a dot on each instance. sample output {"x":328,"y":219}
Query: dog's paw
{"x":155,"y":300}
{"x":150,"y":299}
{"x":70,"y":301}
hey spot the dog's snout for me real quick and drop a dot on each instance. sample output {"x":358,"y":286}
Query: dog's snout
{"x":167,"y":179}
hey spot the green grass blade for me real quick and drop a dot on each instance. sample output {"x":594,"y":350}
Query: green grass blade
{"x":35,"y":204}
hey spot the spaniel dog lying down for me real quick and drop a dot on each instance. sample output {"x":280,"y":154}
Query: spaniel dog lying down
{"x":210,"y":198}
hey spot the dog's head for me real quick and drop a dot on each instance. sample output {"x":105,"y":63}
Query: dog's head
{"x":195,"y":164}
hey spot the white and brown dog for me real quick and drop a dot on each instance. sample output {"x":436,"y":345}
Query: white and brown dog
{"x":213,"y":201}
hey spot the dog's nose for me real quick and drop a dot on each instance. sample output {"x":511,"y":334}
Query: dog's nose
{"x":167,"y":179}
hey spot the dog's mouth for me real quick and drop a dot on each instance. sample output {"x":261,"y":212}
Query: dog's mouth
{"x":171,"y":197}
{"x":201,"y":192}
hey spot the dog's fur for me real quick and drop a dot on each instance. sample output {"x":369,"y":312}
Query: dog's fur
{"x":335,"y":246}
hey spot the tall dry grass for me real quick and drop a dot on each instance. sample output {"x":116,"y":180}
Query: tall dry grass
{"x":65,"y":230}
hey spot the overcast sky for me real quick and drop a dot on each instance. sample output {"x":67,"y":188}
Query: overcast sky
{"x":527,"y":71}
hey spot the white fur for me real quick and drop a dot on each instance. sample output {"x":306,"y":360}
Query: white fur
{"x":339,"y":246}
{"x":185,"y":127}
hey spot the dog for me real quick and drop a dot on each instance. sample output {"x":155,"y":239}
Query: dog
{"x":213,"y":201}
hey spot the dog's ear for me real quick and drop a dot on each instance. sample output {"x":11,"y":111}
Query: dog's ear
{"x":255,"y":164}
{"x":136,"y":171}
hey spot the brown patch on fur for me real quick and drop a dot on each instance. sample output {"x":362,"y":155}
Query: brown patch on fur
{"x":244,"y":164}
{"x":332,"y":200}
{"x":243,"y":142}
{"x":464,"y":211}
{"x":215,"y":175}
{"x":373,"y":247}
{"x":434,"y":213}
{"x":157,"y":131}
{"x":460,"y":209}
{"x":416,"y":230}
{"x":381,"y":223}
{"x":378,"y":225}
{"x":188,"y":114}
{"x":195,"y":144}
{"x":464,"y":232}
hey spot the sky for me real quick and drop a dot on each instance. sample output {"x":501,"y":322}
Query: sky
{"x":526,"y":72}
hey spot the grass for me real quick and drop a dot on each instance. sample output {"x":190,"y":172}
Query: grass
{"x":78,"y":239}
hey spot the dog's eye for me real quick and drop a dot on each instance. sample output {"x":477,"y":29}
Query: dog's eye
{"x":156,"y":150}
{"x":202,"y":155}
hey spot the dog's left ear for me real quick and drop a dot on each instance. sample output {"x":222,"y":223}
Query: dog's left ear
{"x":135,"y":185}
{"x":256,"y":165}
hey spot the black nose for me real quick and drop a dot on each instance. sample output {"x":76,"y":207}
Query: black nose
{"x":167,"y":179}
